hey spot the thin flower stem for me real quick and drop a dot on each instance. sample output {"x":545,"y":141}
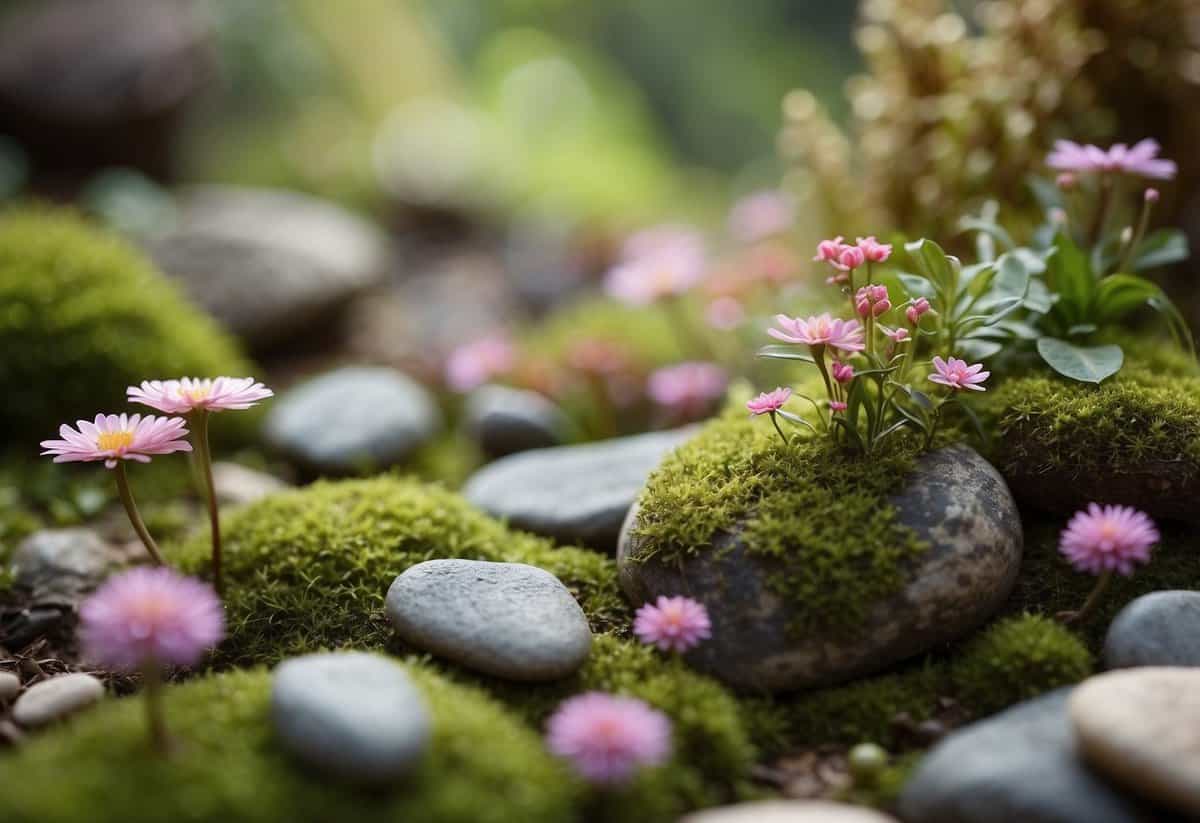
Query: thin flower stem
{"x":775,"y":423}
{"x":1100,"y":218}
{"x":204,"y":455}
{"x":134,"y":517}
{"x":1092,"y":601}
{"x":155,"y":716}
{"x":1135,"y":241}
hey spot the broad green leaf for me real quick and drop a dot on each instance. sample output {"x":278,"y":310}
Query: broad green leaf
{"x":976,"y":349}
{"x":1160,"y":248}
{"x":785,"y":352}
{"x":991,"y":229}
{"x":1087,"y":365}
{"x":935,"y":264}
{"x":1069,"y":275}
{"x":916,"y":285}
{"x":1038,"y":298}
{"x":1119,"y":294}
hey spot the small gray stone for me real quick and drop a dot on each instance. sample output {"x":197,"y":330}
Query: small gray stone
{"x":575,"y":494}
{"x":351,"y":715}
{"x":788,"y":811}
{"x":954,"y":500}
{"x":1141,"y":728}
{"x":352,"y":419}
{"x":506,"y":619}
{"x":10,"y":685}
{"x":1020,"y":765}
{"x":270,"y":265}
{"x":505,"y":421}
{"x":59,"y":566}
{"x":239,"y":486}
{"x":1156,"y":629}
{"x":56,"y":698}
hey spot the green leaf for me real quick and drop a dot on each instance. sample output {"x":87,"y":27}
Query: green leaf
{"x":785,"y":352}
{"x":937,"y":266}
{"x":1087,"y":365}
{"x":1119,"y":294}
{"x":1046,"y":192}
{"x":1039,"y":299}
{"x":1160,"y":248}
{"x":992,"y":229}
{"x":975,"y":349}
{"x":916,"y":285}
{"x":1069,"y":274}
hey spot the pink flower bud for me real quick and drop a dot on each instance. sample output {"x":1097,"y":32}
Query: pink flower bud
{"x":877,"y":293}
{"x":843,"y":372}
{"x":1151,"y":195}
{"x":882,"y":307}
{"x":828,"y":250}
{"x":851,"y":257}
{"x":917,"y":308}
{"x":898,"y":335}
{"x":837,"y":406}
{"x":873,"y":250}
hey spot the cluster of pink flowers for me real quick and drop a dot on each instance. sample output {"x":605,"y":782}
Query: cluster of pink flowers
{"x":656,"y":264}
{"x":1139,"y":160}
{"x":845,"y":258}
{"x":872,"y":301}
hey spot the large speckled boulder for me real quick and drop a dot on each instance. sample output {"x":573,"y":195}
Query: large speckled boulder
{"x":954,"y":500}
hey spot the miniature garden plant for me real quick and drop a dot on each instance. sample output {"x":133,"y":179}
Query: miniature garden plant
{"x":197,"y":398}
{"x":146,"y":619}
{"x":1103,"y":540}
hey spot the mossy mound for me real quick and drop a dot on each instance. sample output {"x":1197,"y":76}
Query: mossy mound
{"x":809,"y":500}
{"x":308,"y":569}
{"x":713,"y":750}
{"x":1134,"y":439}
{"x":82,"y":316}
{"x":483,"y":765}
{"x":1013,"y":660}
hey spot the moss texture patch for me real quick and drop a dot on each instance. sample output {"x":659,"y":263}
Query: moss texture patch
{"x":308,"y":569}
{"x":82,"y":316}
{"x":820,"y":507}
{"x":484,"y":766}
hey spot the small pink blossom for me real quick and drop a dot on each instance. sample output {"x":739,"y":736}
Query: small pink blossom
{"x":820,"y":330}
{"x":192,"y":393}
{"x":872,"y":300}
{"x":897,"y":335}
{"x":1108,"y":538}
{"x":688,"y":389}
{"x":674,"y":624}
{"x":761,"y":215}
{"x":1151,"y":195}
{"x":958,"y":375}
{"x":608,"y":738}
{"x":916,"y":309}
{"x":1140,"y":160}
{"x":850,"y":258}
{"x":873,"y":250}
{"x":648,"y":279}
{"x":769,"y":402}
{"x":837,"y":406}
{"x":828,"y":251}
{"x":837,"y":278}
{"x":842,"y":372}
{"x":472,"y":364}
{"x":116,"y":437}
{"x":725,"y":313}
{"x":150,"y":616}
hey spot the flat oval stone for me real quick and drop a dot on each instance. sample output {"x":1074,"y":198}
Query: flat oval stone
{"x":788,"y":811}
{"x":56,"y":698}
{"x":351,"y":715}
{"x":352,"y":419}
{"x":1019,"y":765}
{"x":10,"y":686}
{"x":505,"y":421}
{"x":1141,"y":729}
{"x":574,"y":494}
{"x":954,"y":500}
{"x":505,"y":619}
{"x":59,"y":566}
{"x":1156,"y":629}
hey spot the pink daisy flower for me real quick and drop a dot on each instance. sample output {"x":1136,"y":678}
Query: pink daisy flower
{"x":958,"y":375}
{"x":768,"y":402}
{"x":1141,"y":159}
{"x":150,"y":616}
{"x":674,"y":624}
{"x":116,"y":437}
{"x":608,"y":738}
{"x":1108,"y":538}
{"x":472,"y":364}
{"x":821,"y":330}
{"x":761,"y":215}
{"x":192,"y":393}
{"x":688,"y":388}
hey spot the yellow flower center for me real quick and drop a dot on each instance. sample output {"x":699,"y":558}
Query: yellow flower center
{"x":114,"y":441}
{"x":195,"y":395}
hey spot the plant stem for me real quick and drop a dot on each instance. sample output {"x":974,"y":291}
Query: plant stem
{"x":155,"y":717}
{"x":1135,"y":241}
{"x":204,"y":455}
{"x":1092,"y":601}
{"x":134,"y":518}
{"x":1100,"y":218}
{"x":775,"y":423}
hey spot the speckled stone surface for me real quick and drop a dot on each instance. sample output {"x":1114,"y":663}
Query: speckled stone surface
{"x":954,"y":500}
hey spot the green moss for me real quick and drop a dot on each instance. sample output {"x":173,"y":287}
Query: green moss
{"x":1016,"y":659}
{"x":810,"y":502}
{"x":82,"y":316}
{"x":713,"y":750}
{"x":308,"y":569}
{"x":449,"y":459}
{"x":483,"y":765}
{"x":1046,"y":423}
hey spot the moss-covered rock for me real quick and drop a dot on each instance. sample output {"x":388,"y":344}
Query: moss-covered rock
{"x":483,"y":765}
{"x":82,"y":316}
{"x":308,"y":569}
{"x":1134,"y":439}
